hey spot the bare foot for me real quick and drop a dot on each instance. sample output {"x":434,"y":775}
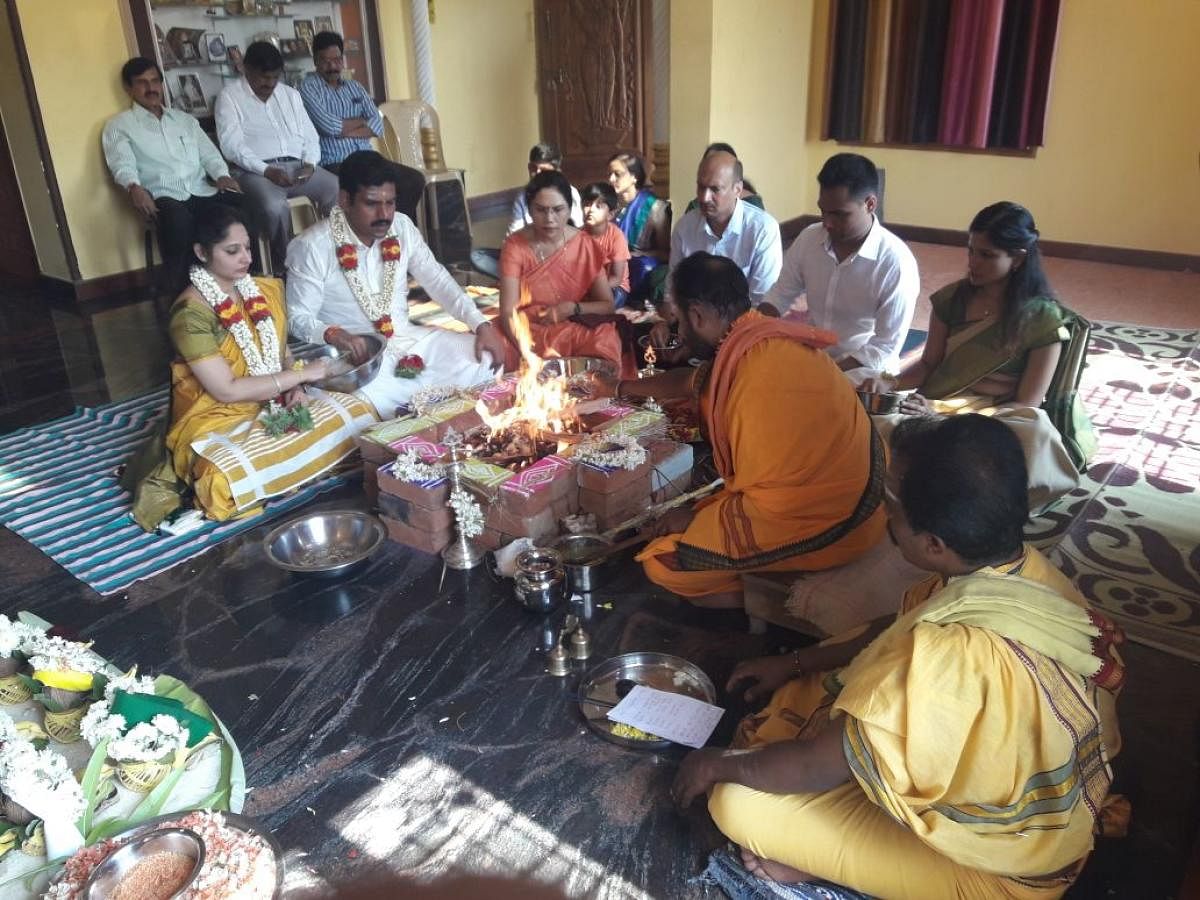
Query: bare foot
{"x":769,"y":870}
{"x":728,"y":600}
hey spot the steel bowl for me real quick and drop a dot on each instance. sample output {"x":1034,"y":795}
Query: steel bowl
{"x":576,"y":551}
{"x":674,"y":342}
{"x":328,"y":543}
{"x":105,"y":877}
{"x":566,"y":366}
{"x":880,"y":404}
{"x":345,"y":377}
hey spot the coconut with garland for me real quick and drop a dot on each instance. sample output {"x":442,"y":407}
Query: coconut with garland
{"x":16,"y":639}
{"x":67,"y":676}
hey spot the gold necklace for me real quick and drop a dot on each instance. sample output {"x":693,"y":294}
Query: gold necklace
{"x":541,"y":257}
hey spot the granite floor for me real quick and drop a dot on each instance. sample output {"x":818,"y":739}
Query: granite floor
{"x":390,"y":721}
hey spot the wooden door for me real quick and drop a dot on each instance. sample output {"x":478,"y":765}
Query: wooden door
{"x":18,"y":259}
{"x":594,"y":80}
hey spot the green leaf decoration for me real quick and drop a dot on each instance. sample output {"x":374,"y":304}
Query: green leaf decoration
{"x":91,"y":785}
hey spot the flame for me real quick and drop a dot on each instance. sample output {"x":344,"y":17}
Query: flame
{"x":538,"y":406}
{"x":651,"y":356}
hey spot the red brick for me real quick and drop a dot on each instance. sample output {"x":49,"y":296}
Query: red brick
{"x":462,"y":423}
{"x":613,"y":508}
{"x":543,"y":524}
{"x":373,"y":452}
{"x":418,"y":539}
{"x":421,"y":517}
{"x":428,"y":497}
{"x":603,"y":481}
{"x":490,"y":539}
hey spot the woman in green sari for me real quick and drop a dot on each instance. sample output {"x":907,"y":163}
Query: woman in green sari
{"x":1000,"y":342}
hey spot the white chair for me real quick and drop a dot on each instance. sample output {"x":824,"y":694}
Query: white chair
{"x":412,"y":135}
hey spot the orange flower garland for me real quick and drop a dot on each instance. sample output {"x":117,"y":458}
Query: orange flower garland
{"x":228,"y":313}
{"x":384,"y":326}
{"x":256,"y":308}
{"x":389,"y":249}
{"x":347,"y":257}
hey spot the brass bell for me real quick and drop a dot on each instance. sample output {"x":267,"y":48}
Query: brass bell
{"x":556,"y":661}
{"x":581,"y":644}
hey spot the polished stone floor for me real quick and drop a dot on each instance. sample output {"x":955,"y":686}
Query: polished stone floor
{"x":390,"y":721}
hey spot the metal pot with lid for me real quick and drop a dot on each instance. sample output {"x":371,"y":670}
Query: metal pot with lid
{"x":540,"y":580}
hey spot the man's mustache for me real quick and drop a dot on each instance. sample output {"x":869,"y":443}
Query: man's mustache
{"x":381,"y":222}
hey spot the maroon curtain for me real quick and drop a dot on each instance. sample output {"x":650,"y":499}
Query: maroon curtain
{"x":967,"y":73}
{"x":849,"y":64}
{"x":1043,"y":41}
{"x":972,"y":50}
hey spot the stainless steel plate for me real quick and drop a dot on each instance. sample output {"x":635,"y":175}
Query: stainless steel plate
{"x":656,"y":670}
{"x":112,"y":870}
{"x":330,"y":542}
{"x":567,"y":366}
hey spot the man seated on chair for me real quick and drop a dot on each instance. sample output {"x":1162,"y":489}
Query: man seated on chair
{"x":344,"y":114}
{"x":265,"y":132}
{"x":957,"y":749}
{"x":860,"y":280}
{"x":348,"y":276}
{"x":164,"y":160}
{"x":543,"y":157}
{"x":726,"y":225}
{"x":803,"y":468}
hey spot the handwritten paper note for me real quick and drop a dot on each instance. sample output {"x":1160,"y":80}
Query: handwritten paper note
{"x":684,"y":720}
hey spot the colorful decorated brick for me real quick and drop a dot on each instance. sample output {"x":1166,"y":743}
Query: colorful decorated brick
{"x":427,"y":450}
{"x":639,"y":422}
{"x":533,"y":489}
{"x":485,"y":475}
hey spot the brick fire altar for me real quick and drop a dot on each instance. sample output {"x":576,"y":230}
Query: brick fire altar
{"x":527,"y":498}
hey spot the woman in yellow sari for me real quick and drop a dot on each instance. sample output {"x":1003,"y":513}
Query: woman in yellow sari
{"x":959,"y":750}
{"x":554,"y":274}
{"x":242,"y":426}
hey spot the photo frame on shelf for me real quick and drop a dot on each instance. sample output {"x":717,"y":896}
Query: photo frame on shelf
{"x":169,"y":59}
{"x":186,"y":44}
{"x":236,"y":8}
{"x":323,"y":23}
{"x":214,"y":47}
{"x":234,"y":57}
{"x":190,"y":96}
{"x":304,"y":32}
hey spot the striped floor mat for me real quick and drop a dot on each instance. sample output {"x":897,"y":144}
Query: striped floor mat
{"x":58,"y":491}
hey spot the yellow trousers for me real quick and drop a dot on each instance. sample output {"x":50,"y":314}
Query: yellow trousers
{"x":840,"y":835}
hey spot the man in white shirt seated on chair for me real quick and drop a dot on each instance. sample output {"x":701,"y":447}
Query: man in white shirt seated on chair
{"x":264,"y":130}
{"x":348,"y":276}
{"x":725,"y":225}
{"x":860,"y":280}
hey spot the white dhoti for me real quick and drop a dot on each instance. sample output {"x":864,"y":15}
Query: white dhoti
{"x":449,"y":359}
{"x":1051,"y":472}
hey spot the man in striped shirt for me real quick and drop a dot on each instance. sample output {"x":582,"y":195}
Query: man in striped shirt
{"x":343,"y":112}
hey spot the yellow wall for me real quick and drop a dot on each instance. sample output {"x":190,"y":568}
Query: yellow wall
{"x":691,"y":94}
{"x":1120,"y":163}
{"x":760,"y":68}
{"x":76,"y":48}
{"x":27,"y":161}
{"x":484,"y":72}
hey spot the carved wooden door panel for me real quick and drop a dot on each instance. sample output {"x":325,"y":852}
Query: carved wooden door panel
{"x":594,"y":80}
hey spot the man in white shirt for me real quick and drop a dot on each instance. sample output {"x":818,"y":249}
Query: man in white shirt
{"x":265,"y":131}
{"x":348,"y":276}
{"x":164,"y":160}
{"x":724,"y":225}
{"x":860,"y":280}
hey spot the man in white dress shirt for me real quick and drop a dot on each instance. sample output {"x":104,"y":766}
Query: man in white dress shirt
{"x":724,"y":225}
{"x":265,"y":131}
{"x":338,"y":271}
{"x":859,"y":279}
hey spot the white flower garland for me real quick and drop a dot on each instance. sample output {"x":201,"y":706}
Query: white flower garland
{"x":8,"y":729}
{"x":53,"y":654}
{"x":468,"y":513}
{"x":424,"y":399}
{"x":612,"y":451}
{"x":411,"y":468}
{"x":264,"y":362}
{"x":100,"y":722}
{"x":16,"y":636}
{"x":41,"y":778}
{"x":374,"y":305}
{"x":150,"y":741}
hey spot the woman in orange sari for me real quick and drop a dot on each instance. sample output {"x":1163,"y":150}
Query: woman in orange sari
{"x":554,"y":274}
